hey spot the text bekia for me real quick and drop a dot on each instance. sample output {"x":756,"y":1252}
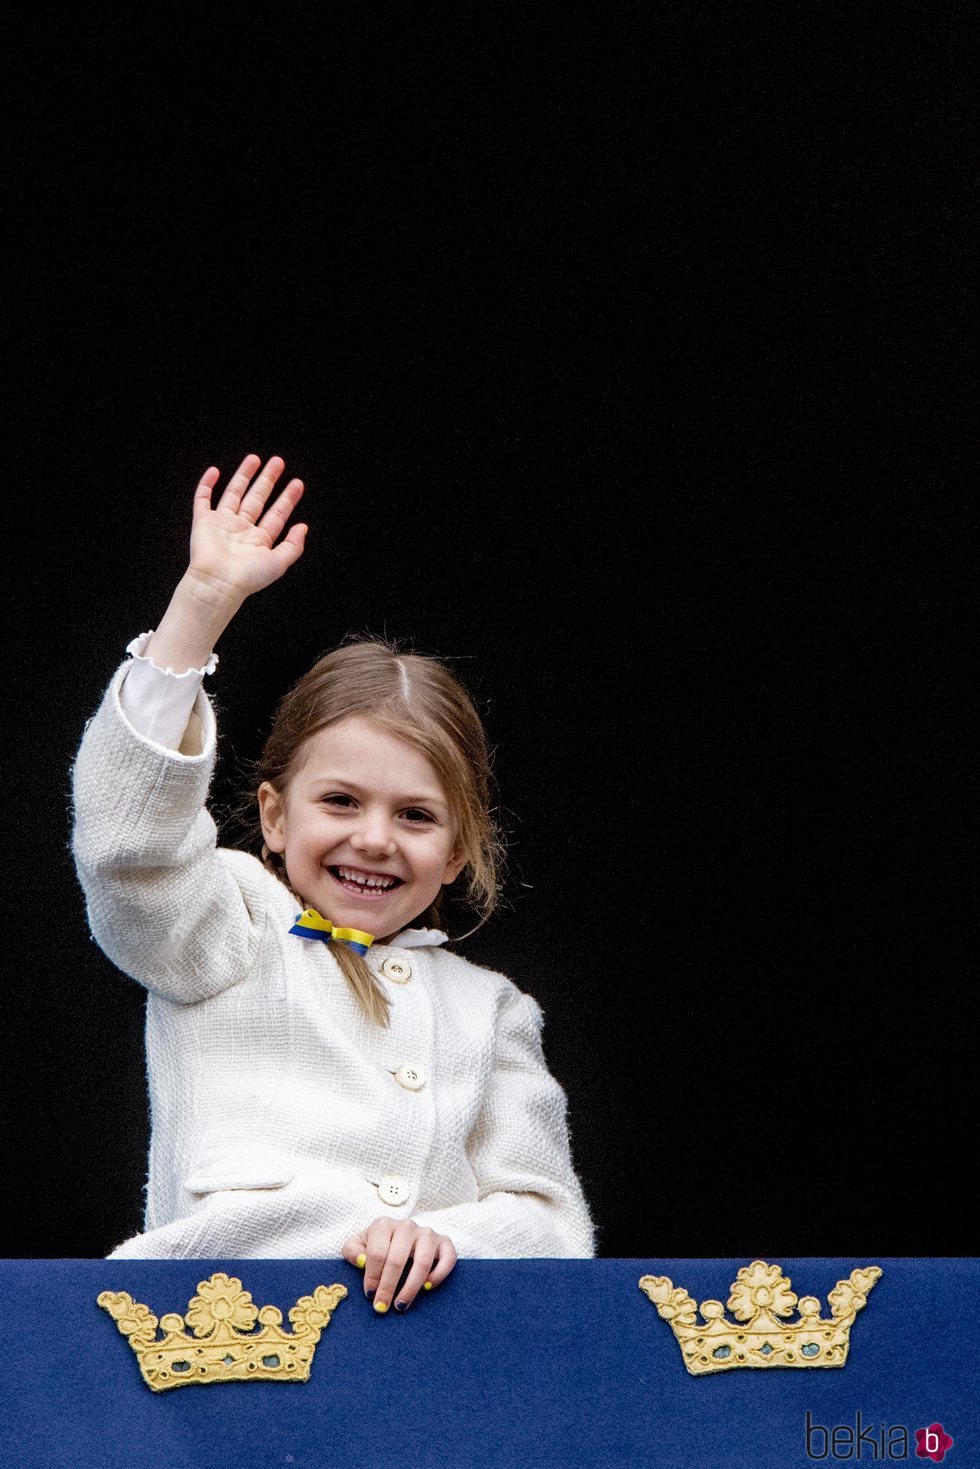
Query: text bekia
{"x":843,"y":1441}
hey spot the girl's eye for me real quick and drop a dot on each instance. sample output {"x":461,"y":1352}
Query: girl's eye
{"x":342,"y":802}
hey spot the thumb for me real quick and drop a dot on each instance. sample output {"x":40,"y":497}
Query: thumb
{"x":288,"y":551}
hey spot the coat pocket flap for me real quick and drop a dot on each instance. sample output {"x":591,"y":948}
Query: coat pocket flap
{"x":245,"y":1169}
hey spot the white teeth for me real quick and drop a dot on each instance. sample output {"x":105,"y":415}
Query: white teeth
{"x":365,"y":882}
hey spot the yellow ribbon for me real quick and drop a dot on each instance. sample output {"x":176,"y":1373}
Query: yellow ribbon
{"x":311,"y":925}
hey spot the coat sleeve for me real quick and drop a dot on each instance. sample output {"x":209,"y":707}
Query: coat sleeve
{"x":531,"y":1202}
{"x":164,"y":904}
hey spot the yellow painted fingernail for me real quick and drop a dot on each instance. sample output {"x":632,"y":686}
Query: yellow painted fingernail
{"x":381,"y":1307}
{"x":428,"y":1285}
{"x":361,"y":1261}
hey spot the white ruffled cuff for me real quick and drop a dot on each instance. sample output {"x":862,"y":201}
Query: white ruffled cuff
{"x":157,"y":702}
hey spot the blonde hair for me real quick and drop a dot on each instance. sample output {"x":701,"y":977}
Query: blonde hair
{"x":419,"y":700}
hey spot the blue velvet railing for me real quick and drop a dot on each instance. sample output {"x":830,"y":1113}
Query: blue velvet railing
{"x":524,"y":1363}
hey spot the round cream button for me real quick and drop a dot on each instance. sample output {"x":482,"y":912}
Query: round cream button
{"x":393,"y":1189}
{"x":412,"y":1078}
{"x":397,"y":970}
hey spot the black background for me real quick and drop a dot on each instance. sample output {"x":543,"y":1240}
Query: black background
{"x":618,"y":349}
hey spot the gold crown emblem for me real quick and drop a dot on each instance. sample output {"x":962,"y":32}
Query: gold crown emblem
{"x":220,"y":1350}
{"x":758,"y":1338}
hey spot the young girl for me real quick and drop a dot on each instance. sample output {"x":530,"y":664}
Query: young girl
{"x":325,"y":1078}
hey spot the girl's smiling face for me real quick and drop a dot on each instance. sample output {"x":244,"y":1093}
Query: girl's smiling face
{"x":364,"y":828}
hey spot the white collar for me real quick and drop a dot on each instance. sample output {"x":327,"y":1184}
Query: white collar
{"x":415,"y":938}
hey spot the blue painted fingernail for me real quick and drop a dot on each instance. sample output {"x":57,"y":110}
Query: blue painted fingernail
{"x":369,"y":1294}
{"x":401,"y":1305}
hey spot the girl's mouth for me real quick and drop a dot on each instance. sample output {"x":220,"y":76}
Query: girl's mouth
{"x":371,"y":886}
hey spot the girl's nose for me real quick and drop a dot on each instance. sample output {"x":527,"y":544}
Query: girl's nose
{"x":374,"y":834}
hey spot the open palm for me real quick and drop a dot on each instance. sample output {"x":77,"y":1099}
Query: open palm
{"x":235,"y":545}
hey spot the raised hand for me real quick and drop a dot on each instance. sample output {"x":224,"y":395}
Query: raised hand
{"x":235,"y":550}
{"x":235,"y":545}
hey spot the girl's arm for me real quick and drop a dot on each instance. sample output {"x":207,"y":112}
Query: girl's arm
{"x":164,"y":904}
{"x":531,"y":1202}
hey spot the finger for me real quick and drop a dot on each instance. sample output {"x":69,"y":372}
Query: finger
{"x":253,"y":501}
{"x":288,"y":552}
{"x":445,"y":1263}
{"x":354,"y":1250}
{"x":205,"y":489}
{"x":376,"y":1242}
{"x":400,"y":1252}
{"x":281,"y":509}
{"x":238,"y":484}
{"x":423,"y":1255}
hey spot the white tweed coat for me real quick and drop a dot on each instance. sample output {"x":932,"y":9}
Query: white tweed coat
{"x":276,"y":1113}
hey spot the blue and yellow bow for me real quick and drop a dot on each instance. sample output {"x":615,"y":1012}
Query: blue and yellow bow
{"x":309,"y":925}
